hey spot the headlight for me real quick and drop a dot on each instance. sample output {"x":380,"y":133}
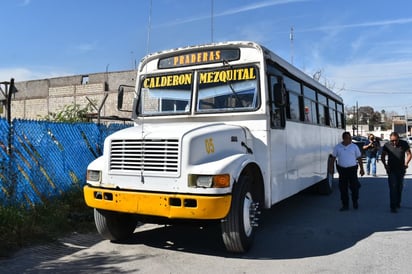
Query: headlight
{"x":204,"y":181}
{"x":209,"y":181}
{"x":93,"y":175}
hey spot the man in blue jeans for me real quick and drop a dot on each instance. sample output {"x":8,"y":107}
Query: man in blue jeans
{"x":396,"y":167}
{"x":371,"y":148}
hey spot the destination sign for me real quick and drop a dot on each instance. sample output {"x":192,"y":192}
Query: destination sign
{"x":228,"y":75}
{"x":206,"y":77}
{"x":168,"y":80}
{"x":199,"y":57}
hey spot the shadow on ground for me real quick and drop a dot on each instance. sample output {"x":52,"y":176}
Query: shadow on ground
{"x":305,"y":225}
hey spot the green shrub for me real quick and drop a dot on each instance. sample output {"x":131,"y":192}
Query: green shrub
{"x":55,"y":217}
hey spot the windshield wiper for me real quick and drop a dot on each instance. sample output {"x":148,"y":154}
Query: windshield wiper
{"x":229,"y":83}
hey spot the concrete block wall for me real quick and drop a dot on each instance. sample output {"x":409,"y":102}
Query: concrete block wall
{"x":34,"y":108}
{"x":37,"y":98}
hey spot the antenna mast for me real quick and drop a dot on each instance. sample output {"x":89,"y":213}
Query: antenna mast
{"x":149,"y":26}
{"x":291,"y":44}
{"x":211,"y":19}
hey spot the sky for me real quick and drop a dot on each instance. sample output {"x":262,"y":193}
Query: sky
{"x":362,"y":48}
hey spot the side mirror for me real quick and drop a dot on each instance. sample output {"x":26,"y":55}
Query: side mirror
{"x":120,"y":94}
{"x":279,"y":94}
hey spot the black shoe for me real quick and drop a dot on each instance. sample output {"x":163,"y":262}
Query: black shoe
{"x":355,"y":205}
{"x":394,"y":210}
{"x":344,"y":208}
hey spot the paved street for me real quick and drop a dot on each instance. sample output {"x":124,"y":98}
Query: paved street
{"x":303,"y":234}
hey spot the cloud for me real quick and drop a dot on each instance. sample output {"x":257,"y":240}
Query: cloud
{"x":369,"y":61}
{"x":255,"y":6}
{"x":400,"y":21}
{"x":25,"y":3}
{"x":247,"y":8}
{"x":384,"y":85}
{"x":369,"y":76}
{"x":26,"y":74}
{"x":85,"y":47}
{"x":19,"y":74}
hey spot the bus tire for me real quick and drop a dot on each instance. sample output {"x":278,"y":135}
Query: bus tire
{"x":238,"y":228}
{"x":114,"y":226}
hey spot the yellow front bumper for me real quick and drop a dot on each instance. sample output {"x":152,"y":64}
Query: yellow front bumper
{"x":159,"y":204}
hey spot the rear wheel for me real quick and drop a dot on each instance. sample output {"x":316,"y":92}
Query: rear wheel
{"x":238,"y":228}
{"x":114,"y":226}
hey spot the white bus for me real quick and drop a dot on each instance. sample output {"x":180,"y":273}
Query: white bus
{"x":221,"y":131}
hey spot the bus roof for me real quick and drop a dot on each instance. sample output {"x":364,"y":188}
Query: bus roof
{"x":267,"y":53}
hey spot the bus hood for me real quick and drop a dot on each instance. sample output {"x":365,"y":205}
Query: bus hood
{"x":170,"y":130}
{"x":189,"y":144}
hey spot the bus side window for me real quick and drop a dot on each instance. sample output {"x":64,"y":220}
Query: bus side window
{"x":302,"y":108}
{"x":277,"y":94}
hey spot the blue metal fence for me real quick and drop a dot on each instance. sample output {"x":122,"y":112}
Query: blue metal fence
{"x":47,"y":158}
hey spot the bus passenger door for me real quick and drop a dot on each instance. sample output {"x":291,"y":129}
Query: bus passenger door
{"x":277,"y":138}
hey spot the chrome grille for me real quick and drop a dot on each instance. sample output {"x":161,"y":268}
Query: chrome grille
{"x":148,"y":155}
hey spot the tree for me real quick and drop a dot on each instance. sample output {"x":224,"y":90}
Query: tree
{"x":318,"y":75}
{"x":375,"y":120}
{"x":387,"y":119}
{"x":364,"y":115}
{"x":70,"y":113}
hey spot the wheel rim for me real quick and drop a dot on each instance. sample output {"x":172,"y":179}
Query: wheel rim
{"x":247,"y":207}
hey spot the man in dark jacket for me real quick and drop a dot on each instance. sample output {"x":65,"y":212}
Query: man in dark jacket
{"x":396,"y":167}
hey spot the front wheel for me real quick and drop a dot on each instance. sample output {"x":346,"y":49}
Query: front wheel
{"x":114,"y":226}
{"x":238,"y":228}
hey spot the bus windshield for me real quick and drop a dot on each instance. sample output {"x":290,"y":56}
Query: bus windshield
{"x":219,"y":90}
{"x":166,"y":94}
{"x":227,"y":90}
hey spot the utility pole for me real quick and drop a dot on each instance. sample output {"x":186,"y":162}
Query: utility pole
{"x":353,"y":121}
{"x":9,"y":89}
{"x":357,"y":119}
{"x":406,"y":122}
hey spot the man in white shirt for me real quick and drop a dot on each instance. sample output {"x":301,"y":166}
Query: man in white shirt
{"x":348,"y":158}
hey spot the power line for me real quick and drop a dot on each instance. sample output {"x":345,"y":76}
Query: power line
{"x":381,"y":92}
{"x":377,"y":76}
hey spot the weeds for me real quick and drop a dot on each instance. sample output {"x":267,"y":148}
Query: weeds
{"x":21,"y":226}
